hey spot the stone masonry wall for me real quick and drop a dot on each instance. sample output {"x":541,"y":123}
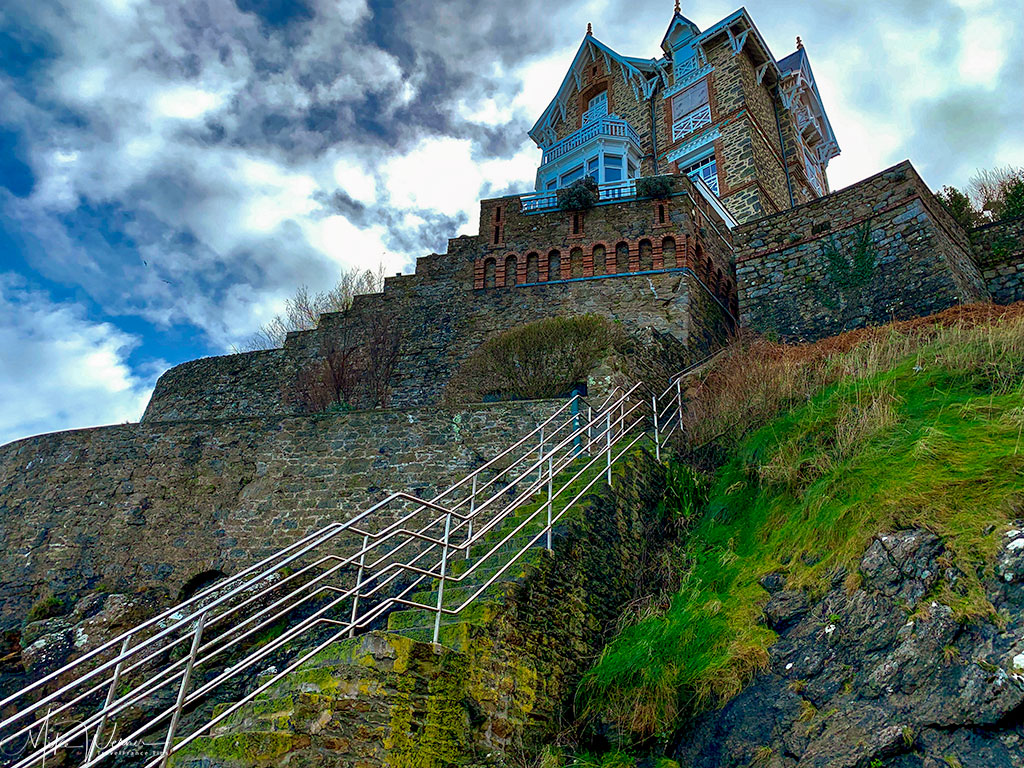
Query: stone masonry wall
{"x":790,"y":287}
{"x":621,"y":261}
{"x":999,"y":253}
{"x":150,"y":506}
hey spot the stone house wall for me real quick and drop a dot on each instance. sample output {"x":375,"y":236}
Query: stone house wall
{"x":999,"y":253}
{"x":146,"y":506}
{"x":923,"y":264}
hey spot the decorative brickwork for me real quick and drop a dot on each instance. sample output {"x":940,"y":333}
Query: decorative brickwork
{"x":921,"y":260}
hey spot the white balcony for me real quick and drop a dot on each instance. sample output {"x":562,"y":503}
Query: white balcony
{"x":608,"y":126}
{"x":691,"y":122}
{"x":606,"y":193}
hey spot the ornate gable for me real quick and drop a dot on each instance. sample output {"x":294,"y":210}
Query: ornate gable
{"x":639,"y":74}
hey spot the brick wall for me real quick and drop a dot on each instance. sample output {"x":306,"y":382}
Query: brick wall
{"x":999,"y":253}
{"x":923,"y":264}
{"x":148,"y":506}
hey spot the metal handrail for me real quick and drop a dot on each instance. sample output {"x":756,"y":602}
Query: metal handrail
{"x":327,"y":583}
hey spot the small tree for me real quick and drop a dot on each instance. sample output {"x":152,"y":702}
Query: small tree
{"x":578,"y":196}
{"x":959,"y":206}
{"x":991,"y":189}
{"x":302,"y":311}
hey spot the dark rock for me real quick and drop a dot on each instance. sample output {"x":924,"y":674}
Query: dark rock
{"x":880,"y":676}
{"x":773,"y":582}
{"x":785,"y":608}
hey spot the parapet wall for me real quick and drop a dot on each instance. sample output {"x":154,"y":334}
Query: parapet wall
{"x":999,"y":252}
{"x":150,"y":506}
{"x":791,"y":282}
{"x":634,"y":262}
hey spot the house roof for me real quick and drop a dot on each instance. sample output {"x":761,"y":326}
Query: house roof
{"x":679,"y":24}
{"x":634,"y":71}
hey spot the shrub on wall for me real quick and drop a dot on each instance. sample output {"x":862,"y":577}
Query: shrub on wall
{"x":578,"y":196}
{"x":546,"y":358}
{"x":355,"y":370}
{"x":656,"y":187}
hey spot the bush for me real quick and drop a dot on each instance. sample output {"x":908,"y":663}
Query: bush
{"x":578,"y":196}
{"x":654,"y":186}
{"x":45,"y":608}
{"x":546,"y":358}
{"x":959,"y":206}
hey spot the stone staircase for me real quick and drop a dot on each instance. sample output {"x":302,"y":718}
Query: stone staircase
{"x":395,"y":699}
{"x":418,"y":624}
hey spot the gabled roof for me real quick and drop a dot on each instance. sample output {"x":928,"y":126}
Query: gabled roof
{"x":639,"y":73}
{"x":679,"y":27}
{"x":796,"y":73}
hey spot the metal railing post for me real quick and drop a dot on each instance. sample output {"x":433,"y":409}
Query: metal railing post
{"x":440,"y":584}
{"x":608,"y":444}
{"x":540,"y":456}
{"x":551,"y":475}
{"x":679,"y":401}
{"x":657,"y":437}
{"x":578,"y":440}
{"x":472,"y":514}
{"x":359,"y":584}
{"x":590,"y":430}
{"x":111,"y":693}
{"x":183,"y":689}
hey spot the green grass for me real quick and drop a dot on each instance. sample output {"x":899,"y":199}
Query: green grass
{"x":930,"y":440}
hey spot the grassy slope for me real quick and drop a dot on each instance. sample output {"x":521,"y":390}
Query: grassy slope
{"x":919,"y":431}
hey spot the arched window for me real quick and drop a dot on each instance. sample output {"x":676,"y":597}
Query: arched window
{"x":554,"y":266}
{"x":532,"y":269}
{"x":490,"y":273}
{"x":511,"y":269}
{"x":718,"y":283}
{"x":599,"y":259}
{"x":708,"y":267}
{"x":622,"y":258}
{"x":646,"y":255}
{"x":668,"y":252}
{"x":576,"y":262}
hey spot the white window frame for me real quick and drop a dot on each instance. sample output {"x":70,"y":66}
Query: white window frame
{"x":700,"y":168}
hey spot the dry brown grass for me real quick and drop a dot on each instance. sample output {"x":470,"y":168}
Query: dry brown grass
{"x":756,"y":379}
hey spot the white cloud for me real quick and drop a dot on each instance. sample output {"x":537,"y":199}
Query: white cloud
{"x":58,"y":369}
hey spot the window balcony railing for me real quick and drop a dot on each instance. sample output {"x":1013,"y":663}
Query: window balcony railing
{"x":606,"y":193}
{"x":607,"y":126}
{"x":691,"y":121}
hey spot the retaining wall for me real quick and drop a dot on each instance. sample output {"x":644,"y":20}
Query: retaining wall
{"x":999,"y":253}
{"x":143,"y":507}
{"x":922,"y":260}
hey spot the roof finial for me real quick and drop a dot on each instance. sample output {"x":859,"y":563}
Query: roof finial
{"x":678,"y":10}
{"x":590,"y":29}
{"x":799,"y":43}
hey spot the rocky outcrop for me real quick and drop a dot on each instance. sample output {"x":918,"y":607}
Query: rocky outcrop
{"x":881,"y":676}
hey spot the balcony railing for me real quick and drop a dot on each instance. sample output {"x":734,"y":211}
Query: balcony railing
{"x":610,"y":125}
{"x":691,"y":122}
{"x":606,"y":193}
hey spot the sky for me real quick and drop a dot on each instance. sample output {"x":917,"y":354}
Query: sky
{"x":170,"y":172}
